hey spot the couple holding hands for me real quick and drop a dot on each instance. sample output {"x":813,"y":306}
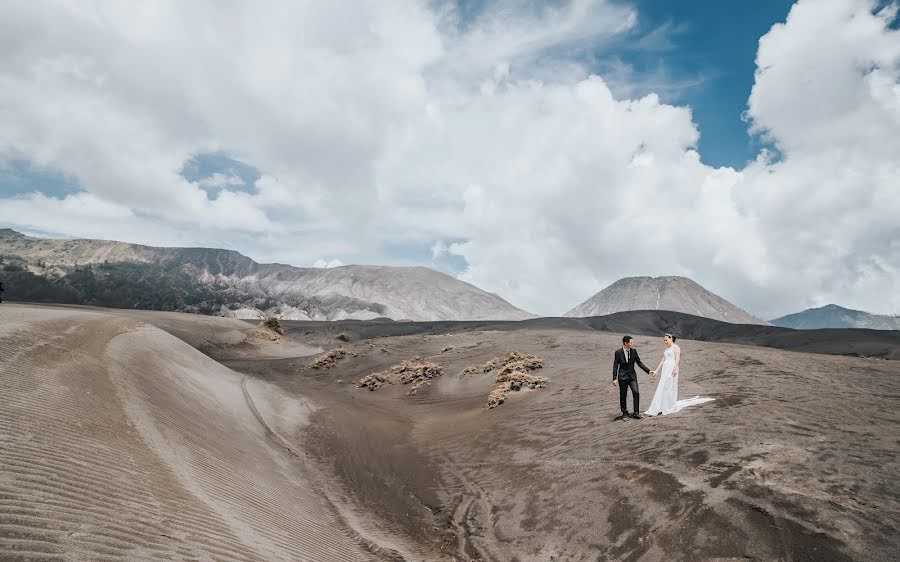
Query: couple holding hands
{"x":665,"y":401}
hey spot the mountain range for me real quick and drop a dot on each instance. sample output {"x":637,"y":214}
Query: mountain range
{"x":227,"y":283}
{"x":834,"y":316}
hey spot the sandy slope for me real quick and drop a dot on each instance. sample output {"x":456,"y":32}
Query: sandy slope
{"x":120,"y":441}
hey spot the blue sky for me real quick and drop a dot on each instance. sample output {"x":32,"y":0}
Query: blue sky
{"x":711,"y":44}
{"x":19,"y":175}
{"x":699,"y":53}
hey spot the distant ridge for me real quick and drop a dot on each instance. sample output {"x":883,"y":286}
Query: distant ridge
{"x":227,"y":283}
{"x":676,"y":294}
{"x":857,"y":342}
{"x":834,"y":316}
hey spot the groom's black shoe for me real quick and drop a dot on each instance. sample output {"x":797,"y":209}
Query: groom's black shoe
{"x":625,"y":416}
{"x":637,"y":416}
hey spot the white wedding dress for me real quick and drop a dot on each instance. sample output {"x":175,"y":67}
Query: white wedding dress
{"x":666,"y":401}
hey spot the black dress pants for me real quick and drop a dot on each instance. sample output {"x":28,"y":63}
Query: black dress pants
{"x":624,"y":385}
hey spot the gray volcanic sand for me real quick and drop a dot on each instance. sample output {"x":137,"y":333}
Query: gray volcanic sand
{"x":120,"y":441}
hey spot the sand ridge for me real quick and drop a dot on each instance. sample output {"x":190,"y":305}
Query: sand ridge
{"x":122,"y":442}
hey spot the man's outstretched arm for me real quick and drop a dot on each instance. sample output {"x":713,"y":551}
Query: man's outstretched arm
{"x":637,"y":359}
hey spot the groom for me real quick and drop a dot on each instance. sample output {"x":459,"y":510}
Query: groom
{"x":624,"y":376}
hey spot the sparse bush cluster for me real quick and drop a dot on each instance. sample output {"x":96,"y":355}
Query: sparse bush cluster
{"x":373,"y":381}
{"x":514,"y":372}
{"x":343,"y":336}
{"x":273,"y":324}
{"x":446,"y":349}
{"x":516,"y":361}
{"x":330,"y":358}
{"x":471,"y":370}
{"x":497,"y":397}
{"x":491,"y":365}
{"x":414,"y":372}
{"x":517,"y":379}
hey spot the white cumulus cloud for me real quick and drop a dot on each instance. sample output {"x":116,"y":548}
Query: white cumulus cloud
{"x":403,"y":132}
{"x":323,"y":263}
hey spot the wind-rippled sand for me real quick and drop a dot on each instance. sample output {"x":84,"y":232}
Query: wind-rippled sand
{"x":119,"y":440}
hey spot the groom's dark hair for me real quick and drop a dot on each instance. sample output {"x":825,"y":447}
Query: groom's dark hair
{"x":626,"y":339}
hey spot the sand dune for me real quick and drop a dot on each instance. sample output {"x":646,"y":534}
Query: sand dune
{"x":120,"y":441}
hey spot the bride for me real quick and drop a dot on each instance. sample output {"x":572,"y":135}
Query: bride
{"x":666,"y":401}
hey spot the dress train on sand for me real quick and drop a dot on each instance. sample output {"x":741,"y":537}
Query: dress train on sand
{"x":665,"y":400}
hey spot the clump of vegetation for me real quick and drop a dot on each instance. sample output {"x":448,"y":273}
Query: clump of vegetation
{"x":518,"y":379}
{"x":329,"y":359}
{"x":471,"y":370}
{"x":491,"y":365}
{"x":497,"y":397}
{"x":343,"y":336}
{"x":446,"y":349}
{"x":514,"y":361}
{"x":415,"y":373}
{"x":372,"y":381}
{"x":513,"y":381}
{"x":514,"y":372}
{"x":273,"y":324}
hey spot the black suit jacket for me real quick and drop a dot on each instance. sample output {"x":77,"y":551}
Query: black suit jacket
{"x":624,"y":370}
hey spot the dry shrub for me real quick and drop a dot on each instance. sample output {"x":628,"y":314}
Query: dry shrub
{"x":498,"y":395}
{"x":372,"y":382}
{"x":491,"y":365}
{"x":273,"y":324}
{"x":518,"y":379}
{"x":328,"y":359}
{"x":415,"y":373}
{"x":514,"y":373}
{"x":471,"y":370}
{"x":446,"y":349}
{"x":512,"y":381}
{"x":343,"y":336}
{"x":514,"y":361}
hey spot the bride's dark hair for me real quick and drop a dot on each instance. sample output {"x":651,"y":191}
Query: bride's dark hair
{"x":673,"y":338}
